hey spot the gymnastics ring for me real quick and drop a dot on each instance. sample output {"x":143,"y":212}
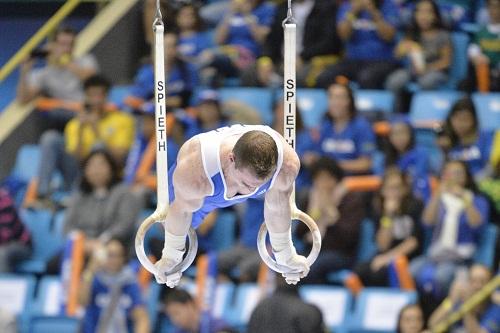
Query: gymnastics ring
{"x":141,"y":254}
{"x":297,"y":214}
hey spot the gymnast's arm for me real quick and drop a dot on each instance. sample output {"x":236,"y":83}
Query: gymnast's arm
{"x":277,"y":210}
{"x":191,"y":186}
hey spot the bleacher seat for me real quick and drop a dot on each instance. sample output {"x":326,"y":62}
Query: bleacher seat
{"x":246,"y":298}
{"x":16,"y":297}
{"x":118,"y":94}
{"x":367,"y":246}
{"x":458,"y":68}
{"x":374,"y":100}
{"x":377,"y":309}
{"x":488,"y":110}
{"x":54,"y":324}
{"x":312,"y":105}
{"x":49,"y":297}
{"x":261,"y":99}
{"x":26,"y":166}
{"x":328,"y":298}
{"x":427,"y":106}
{"x":485,"y":253}
{"x":45,"y":243}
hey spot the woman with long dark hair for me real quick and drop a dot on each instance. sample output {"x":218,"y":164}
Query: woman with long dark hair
{"x":468,"y":142}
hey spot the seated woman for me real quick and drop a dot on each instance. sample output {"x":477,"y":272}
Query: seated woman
{"x":344,"y":135}
{"x":428,"y":51}
{"x":458,"y":216}
{"x":399,"y":233}
{"x":401,"y":151}
{"x":468,"y":142}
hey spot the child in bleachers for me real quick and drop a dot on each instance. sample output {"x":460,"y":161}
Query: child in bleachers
{"x":402,"y":151}
{"x":468,"y":142}
{"x":428,"y":51}
{"x":339,"y":214}
{"x":110,"y":293}
{"x":458,"y":216}
{"x":397,"y":213}
{"x":344,"y":135}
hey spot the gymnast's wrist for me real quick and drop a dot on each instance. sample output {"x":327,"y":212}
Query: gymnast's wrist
{"x":174,"y":242}
{"x":281,"y":241}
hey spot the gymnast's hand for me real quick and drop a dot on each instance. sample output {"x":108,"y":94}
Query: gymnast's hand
{"x":297,"y":264}
{"x":172,"y":255}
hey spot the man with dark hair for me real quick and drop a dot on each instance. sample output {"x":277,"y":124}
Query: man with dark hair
{"x":221,"y":168}
{"x":186,"y":315}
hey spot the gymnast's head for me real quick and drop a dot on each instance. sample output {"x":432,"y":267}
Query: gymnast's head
{"x":256,"y":154}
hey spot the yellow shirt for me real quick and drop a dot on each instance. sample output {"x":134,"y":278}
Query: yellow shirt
{"x":116,"y":130}
{"x":495,"y":150}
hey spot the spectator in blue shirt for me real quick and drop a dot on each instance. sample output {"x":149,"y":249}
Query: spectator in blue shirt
{"x":181,"y":78}
{"x":458,"y":215}
{"x":368,"y":29}
{"x":468,"y":142}
{"x":240,"y":36}
{"x":344,"y":136}
{"x":110,"y":293}
{"x":186,"y":315}
{"x":192,"y":40}
{"x":402,"y":152}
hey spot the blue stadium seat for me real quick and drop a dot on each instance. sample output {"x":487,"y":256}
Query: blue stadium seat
{"x":432,"y":105}
{"x":485,"y":253}
{"x":16,"y":296}
{"x":377,"y":309}
{"x":374,"y":100}
{"x":45,"y":243}
{"x":27,"y":160}
{"x":152,"y":298}
{"x":312,"y":104}
{"x":247,"y":296}
{"x":223,"y":235}
{"x":367,"y":246}
{"x":49,"y":297}
{"x":327,"y":298}
{"x":488,"y":110}
{"x":458,"y":69}
{"x":118,"y":94}
{"x":54,"y":324}
{"x":260,"y":99}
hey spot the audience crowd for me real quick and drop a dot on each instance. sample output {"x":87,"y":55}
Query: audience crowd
{"x":433,"y":206}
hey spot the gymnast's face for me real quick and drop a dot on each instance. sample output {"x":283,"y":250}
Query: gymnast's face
{"x":244,"y":178}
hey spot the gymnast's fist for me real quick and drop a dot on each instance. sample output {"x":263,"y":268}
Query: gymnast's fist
{"x":172,"y":255}
{"x":295,"y":263}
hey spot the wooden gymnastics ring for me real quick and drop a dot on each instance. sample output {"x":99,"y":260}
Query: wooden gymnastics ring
{"x":141,"y":253}
{"x":297,"y":214}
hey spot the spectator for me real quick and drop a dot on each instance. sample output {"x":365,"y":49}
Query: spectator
{"x":489,"y":322}
{"x":317,"y":42}
{"x":110,"y":293}
{"x":239,"y":36}
{"x":192,"y":41}
{"x":428,"y":51}
{"x":95,"y":125}
{"x":181,"y":78}
{"x":411,"y":319}
{"x":62,"y":77}
{"x":490,"y":186}
{"x":344,"y":135}
{"x":186,"y":315}
{"x":285,"y":311}
{"x":485,"y":51}
{"x":458,"y":215}
{"x":402,"y":151}
{"x":465,"y":284}
{"x":15,"y":240}
{"x":208,"y":114}
{"x":338,"y":214}
{"x":399,"y":234}
{"x":148,"y":15}
{"x":368,"y":29}
{"x":103,"y":208}
{"x":468,"y":142}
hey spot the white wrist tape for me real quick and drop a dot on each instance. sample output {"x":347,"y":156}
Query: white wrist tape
{"x":175,"y":242}
{"x":281,"y":240}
